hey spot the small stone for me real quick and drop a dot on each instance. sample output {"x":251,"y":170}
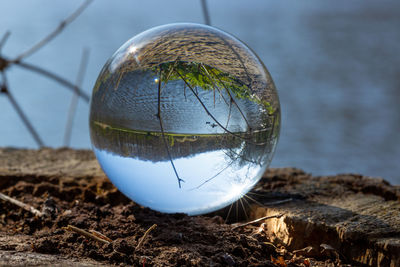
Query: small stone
{"x":228,"y":259}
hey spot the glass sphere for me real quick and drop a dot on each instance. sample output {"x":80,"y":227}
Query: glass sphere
{"x":184,"y":118}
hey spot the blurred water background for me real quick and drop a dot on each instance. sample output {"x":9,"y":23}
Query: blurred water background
{"x":336,"y":65}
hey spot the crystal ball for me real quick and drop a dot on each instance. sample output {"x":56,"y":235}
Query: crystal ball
{"x":184,"y":118}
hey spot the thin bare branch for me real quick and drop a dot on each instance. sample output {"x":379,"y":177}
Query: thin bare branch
{"x":25,"y":120}
{"x":21,"y":114}
{"x":162,"y":131}
{"x":205,"y":12}
{"x":227,"y":166}
{"x":229,"y":114}
{"x":54,"y":77}
{"x":184,"y":91}
{"x":86,"y":234}
{"x":4,"y":39}
{"x":230,"y":150}
{"x":210,"y":179}
{"x":22,"y":205}
{"x":258,"y":220}
{"x":278,"y":202}
{"x":232,"y":99}
{"x":205,"y":108}
{"x":54,"y":33}
{"x":272,"y":125}
{"x":145,"y":235}
{"x":75,"y":97}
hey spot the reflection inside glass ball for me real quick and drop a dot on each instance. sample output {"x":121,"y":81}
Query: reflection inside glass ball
{"x":184,"y":118}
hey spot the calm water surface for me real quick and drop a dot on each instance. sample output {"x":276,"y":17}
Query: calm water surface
{"x":336,"y":65}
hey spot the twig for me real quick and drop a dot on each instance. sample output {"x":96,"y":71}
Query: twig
{"x":205,"y":108}
{"x":19,"y":111}
{"x":86,"y":234}
{"x":54,"y":33}
{"x":4,"y":39}
{"x":162,"y":132}
{"x":22,"y":205}
{"x":205,"y":12}
{"x":55,"y":77}
{"x":213,"y":83}
{"x":231,"y":98}
{"x":277,"y":202}
{"x":75,"y":97}
{"x":145,"y":235}
{"x":258,"y":220}
{"x":100,"y":235}
{"x":5,"y":63}
{"x":209,"y":179}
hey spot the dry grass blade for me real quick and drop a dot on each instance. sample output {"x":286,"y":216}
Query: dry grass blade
{"x":141,"y":240}
{"x":22,"y":205}
{"x":87,"y":234}
{"x":54,"y":33}
{"x":258,"y":220}
{"x":100,"y":235}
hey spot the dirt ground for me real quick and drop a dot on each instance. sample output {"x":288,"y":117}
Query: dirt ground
{"x":93,"y":203}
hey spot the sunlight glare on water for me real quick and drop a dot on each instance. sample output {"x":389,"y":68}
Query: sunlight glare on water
{"x":184,"y":118}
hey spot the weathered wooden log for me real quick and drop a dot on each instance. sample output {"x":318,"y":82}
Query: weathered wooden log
{"x":357,"y":216}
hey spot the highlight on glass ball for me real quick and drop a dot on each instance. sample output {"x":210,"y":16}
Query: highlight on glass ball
{"x":184,"y":118}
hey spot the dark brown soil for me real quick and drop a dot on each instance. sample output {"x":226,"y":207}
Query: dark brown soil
{"x":327,"y":221}
{"x":94,"y":204}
